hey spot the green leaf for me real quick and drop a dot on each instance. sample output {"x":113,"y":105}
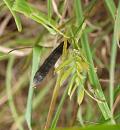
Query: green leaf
{"x":117,"y":91}
{"x":73,"y":90}
{"x":35,"y":64}
{"x":92,"y":75}
{"x":64,"y":64}
{"x":16,"y":17}
{"x":80,"y":94}
{"x":111,"y":7}
{"x":57,"y":114}
{"x":71,"y":83}
{"x":49,"y":5}
{"x":115,"y":42}
{"x":9,"y":92}
{"x":66,"y":75}
{"x":117,"y":26}
{"x":30,"y":11}
{"x":93,"y":127}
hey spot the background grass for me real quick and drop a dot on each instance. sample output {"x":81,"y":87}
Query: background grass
{"x":92,"y":28}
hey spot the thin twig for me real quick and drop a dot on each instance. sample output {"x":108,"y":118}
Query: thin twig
{"x":4,"y":24}
{"x":115,"y":103}
{"x":16,"y":51}
{"x":56,"y":9}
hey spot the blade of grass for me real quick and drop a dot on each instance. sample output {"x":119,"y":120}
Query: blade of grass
{"x":117,"y":91}
{"x":93,"y":127}
{"x":22,"y":81}
{"x":79,"y":116}
{"x":59,"y":109}
{"x":78,"y":12}
{"x":111,"y":7}
{"x":30,"y":11}
{"x":113,"y":56}
{"x":38,"y":99}
{"x":53,"y":102}
{"x":116,"y":26}
{"x":35,"y":63}
{"x":9,"y":92}
{"x":92,"y":74}
{"x":16,"y":17}
{"x":49,"y":5}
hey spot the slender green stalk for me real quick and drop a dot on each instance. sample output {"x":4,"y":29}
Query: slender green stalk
{"x":79,"y":116}
{"x":16,"y":17}
{"x":113,"y":56}
{"x":35,"y":63}
{"x":92,"y":74}
{"x":53,"y":103}
{"x":56,"y":117}
{"x":38,"y":99}
{"x":111,"y":7}
{"x":112,"y":72}
{"x":49,"y":4}
{"x":9,"y":92}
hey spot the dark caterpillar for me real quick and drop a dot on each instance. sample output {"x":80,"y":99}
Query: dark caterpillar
{"x":49,"y":63}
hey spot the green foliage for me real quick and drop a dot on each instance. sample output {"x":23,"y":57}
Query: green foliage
{"x":77,"y":64}
{"x":98,"y":127}
{"x":9,"y":4}
{"x":75,"y":67}
{"x":9,"y":92}
{"x":30,"y":11}
{"x":115,"y":42}
{"x":111,"y":7}
{"x":35,"y":64}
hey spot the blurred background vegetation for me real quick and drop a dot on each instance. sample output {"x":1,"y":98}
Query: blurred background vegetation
{"x":28,"y":33}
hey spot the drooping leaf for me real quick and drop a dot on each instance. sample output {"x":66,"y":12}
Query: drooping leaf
{"x":15,"y":15}
{"x":35,"y":64}
{"x":30,"y":11}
